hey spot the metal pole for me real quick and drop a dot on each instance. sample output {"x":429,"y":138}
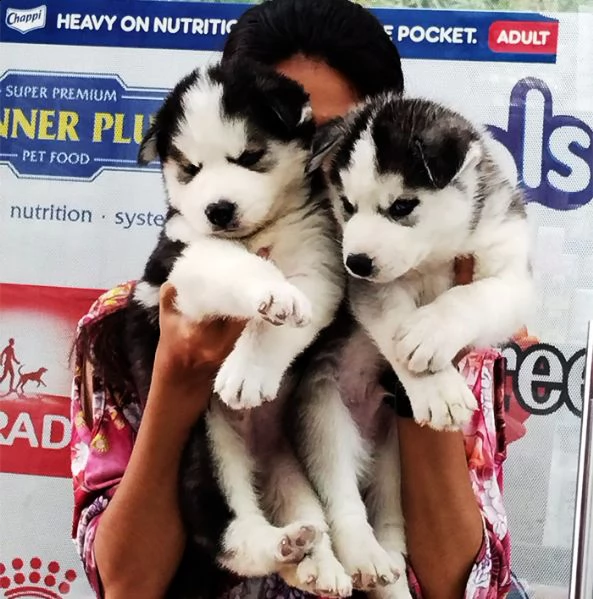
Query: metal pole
{"x":581,"y":579}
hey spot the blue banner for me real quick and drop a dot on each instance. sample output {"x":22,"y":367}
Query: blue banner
{"x":421,"y":33}
{"x":72,"y":126}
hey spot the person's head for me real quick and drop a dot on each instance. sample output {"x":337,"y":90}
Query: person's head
{"x":337,"y":50}
{"x":11,"y":341}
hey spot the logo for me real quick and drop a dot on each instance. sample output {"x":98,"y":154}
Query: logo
{"x":553,"y":153}
{"x":72,"y":126}
{"x":26,"y":20}
{"x":35,"y":579}
{"x":523,"y":37}
{"x":543,"y":379}
{"x":31,"y":421}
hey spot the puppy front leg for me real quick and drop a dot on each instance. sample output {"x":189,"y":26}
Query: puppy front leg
{"x":485,"y":312}
{"x":251,"y":546}
{"x":253,"y":371}
{"x":442,"y":399}
{"x":216,"y":277}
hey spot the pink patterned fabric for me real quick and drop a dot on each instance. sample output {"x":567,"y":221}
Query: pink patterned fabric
{"x":100,"y":454}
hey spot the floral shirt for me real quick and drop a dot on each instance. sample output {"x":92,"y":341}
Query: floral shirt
{"x":100,"y":454}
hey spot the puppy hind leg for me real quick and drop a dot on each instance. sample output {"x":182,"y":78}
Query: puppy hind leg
{"x":334,"y":454}
{"x":251,"y":546}
{"x":385,"y":511}
{"x":291,"y":499}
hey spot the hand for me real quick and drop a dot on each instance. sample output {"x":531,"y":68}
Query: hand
{"x":464,"y":270}
{"x":464,"y":274}
{"x":189,"y":354}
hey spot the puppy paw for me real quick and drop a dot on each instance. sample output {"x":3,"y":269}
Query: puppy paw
{"x":322,"y":574}
{"x":296,"y":541}
{"x":441,"y":400}
{"x":283,"y":304}
{"x":253,"y":547}
{"x":365,"y":561}
{"x":243,"y":384}
{"x":425,"y":342}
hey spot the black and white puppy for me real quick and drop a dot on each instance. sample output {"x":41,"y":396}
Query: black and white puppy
{"x":244,"y":238}
{"x":413,"y":186}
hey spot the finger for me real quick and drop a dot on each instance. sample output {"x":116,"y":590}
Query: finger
{"x":167,"y":295}
{"x":521,"y":334}
{"x":462,"y":353}
{"x":464,"y":270}
{"x":264,"y":252}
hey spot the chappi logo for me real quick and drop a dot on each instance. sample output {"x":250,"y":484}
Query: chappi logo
{"x":74,"y":126}
{"x":27,"y":20}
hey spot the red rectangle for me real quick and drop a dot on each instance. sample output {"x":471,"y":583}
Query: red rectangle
{"x":38,"y":325}
{"x":523,"y":37}
{"x":35,"y":435}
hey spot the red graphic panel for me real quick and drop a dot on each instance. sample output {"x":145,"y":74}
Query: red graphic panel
{"x":38,"y":325}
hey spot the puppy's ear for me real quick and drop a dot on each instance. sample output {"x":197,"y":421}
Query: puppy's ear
{"x":445,"y":158}
{"x":148,"y":150}
{"x":325,"y":143}
{"x":291,"y":112}
{"x":278,"y":105}
{"x":473,"y":155}
{"x":280,"y":99}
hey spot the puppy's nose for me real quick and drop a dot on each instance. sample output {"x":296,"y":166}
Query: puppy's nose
{"x":221,"y":213}
{"x":359,"y":264}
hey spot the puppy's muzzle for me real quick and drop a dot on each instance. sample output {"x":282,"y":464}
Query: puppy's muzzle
{"x":360,"y":265}
{"x":222,"y":213}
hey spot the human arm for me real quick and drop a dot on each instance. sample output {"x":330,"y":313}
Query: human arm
{"x":443,"y":522}
{"x":449,"y":480}
{"x":132,"y":546}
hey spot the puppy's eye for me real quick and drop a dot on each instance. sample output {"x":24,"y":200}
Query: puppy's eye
{"x":347,"y":206}
{"x":191,"y":170}
{"x":402,"y":207}
{"x":249,"y":158}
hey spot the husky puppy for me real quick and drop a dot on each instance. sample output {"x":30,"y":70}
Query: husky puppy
{"x":243,"y":238}
{"x":413,"y":185}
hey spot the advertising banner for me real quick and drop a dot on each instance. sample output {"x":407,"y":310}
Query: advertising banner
{"x":78,"y":85}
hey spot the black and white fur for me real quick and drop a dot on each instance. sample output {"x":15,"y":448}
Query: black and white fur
{"x":413,"y":186}
{"x":244,"y":238}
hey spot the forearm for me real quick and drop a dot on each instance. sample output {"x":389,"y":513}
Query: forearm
{"x":443,"y":521}
{"x":140,"y":537}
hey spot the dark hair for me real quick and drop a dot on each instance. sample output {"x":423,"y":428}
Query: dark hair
{"x":344,"y":35}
